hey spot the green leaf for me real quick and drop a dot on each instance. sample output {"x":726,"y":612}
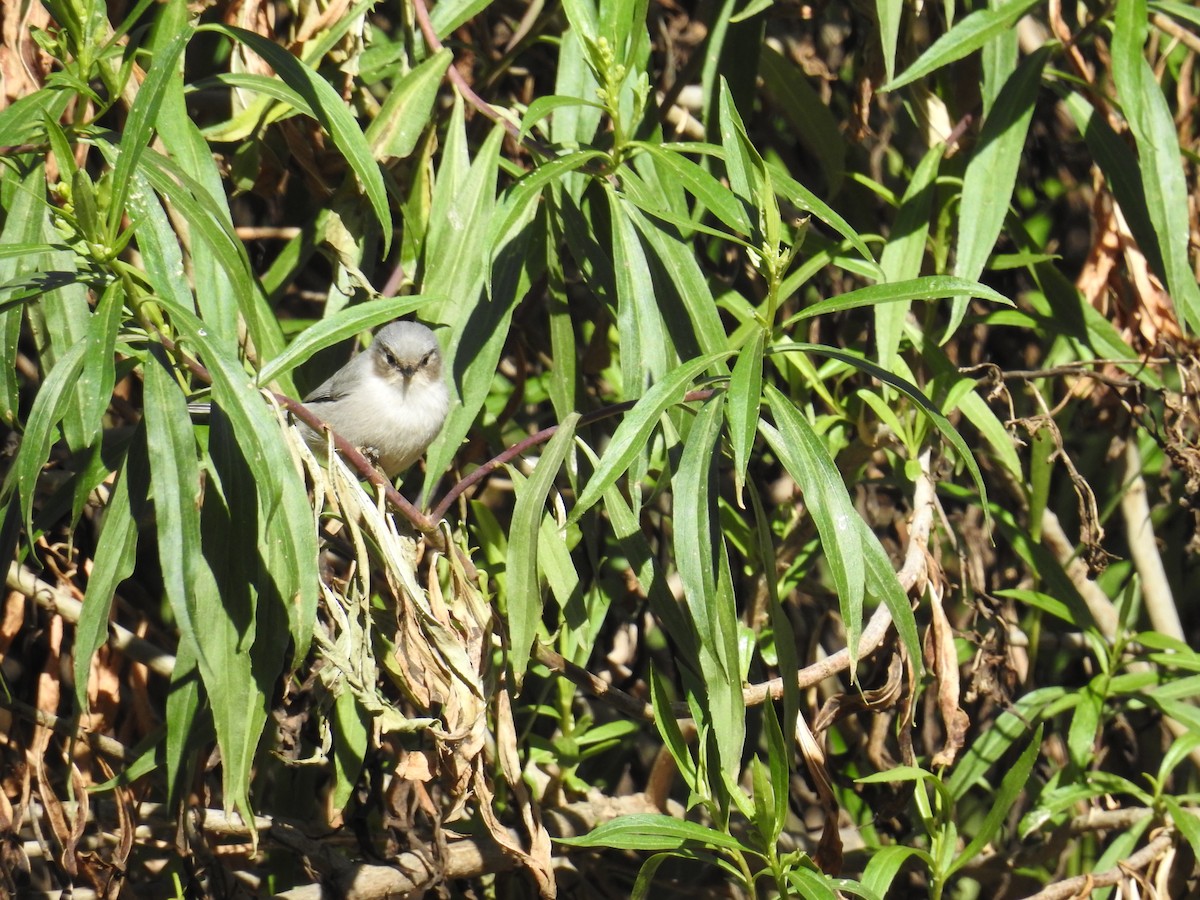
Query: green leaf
{"x":811,"y":885}
{"x":264,"y":85}
{"x":477,"y":338}
{"x":350,"y":742}
{"x":931,"y":287}
{"x":650,"y":577}
{"x":1179,"y":10}
{"x":448,"y":15}
{"x":992,"y":173}
{"x":54,"y":400}
{"x":95,"y":386}
{"x":1014,"y":782}
{"x":885,"y":863}
{"x":331,"y":112}
{"x":1153,"y":127}
{"x":679,"y":283}
{"x":779,"y":756}
{"x":668,"y":728}
{"x":113,"y":564}
{"x":184,"y":722}
{"x":343,"y":324}
{"x":23,"y":120}
{"x":884,"y":585}
{"x":23,"y":227}
{"x":745,"y":397}
{"x":742,"y":162}
{"x":1119,"y":164}
{"x":139,"y":126}
{"x":1085,"y":723}
{"x":395,"y":130}
{"x":967,"y":36}
{"x":1006,"y":730}
{"x":634,"y":431}
{"x":518,"y":198}
{"x":694,"y":178}
{"x":648,"y":831}
{"x":284,"y":515}
{"x":699,"y":553}
{"x":524,"y":588}
{"x":645,"y":876}
{"x":189,"y":583}
{"x":463,"y":206}
{"x":1186,"y":821}
{"x":544,"y":106}
{"x":940,"y":422}
{"x":808,"y":461}
{"x":645,"y":348}
{"x":798,"y":195}
{"x":888,"y":13}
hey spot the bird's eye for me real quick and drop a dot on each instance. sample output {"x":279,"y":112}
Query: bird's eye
{"x":389,"y":358}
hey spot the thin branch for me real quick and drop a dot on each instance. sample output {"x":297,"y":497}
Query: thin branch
{"x":911,"y":575}
{"x":540,"y":437}
{"x":599,"y":688}
{"x":1143,"y":547}
{"x":1083,"y":884}
{"x":98,"y":742}
{"x":60,"y":602}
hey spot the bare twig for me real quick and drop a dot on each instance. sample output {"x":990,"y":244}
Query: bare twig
{"x":99,"y":742}
{"x":1080,"y":884}
{"x":58,"y":601}
{"x":1139,"y":531}
{"x":912,"y":574}
{"x":540,"y":437}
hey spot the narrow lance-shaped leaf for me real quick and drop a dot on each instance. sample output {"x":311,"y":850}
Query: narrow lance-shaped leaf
{"x":745,"y":395}
{"x":1157,"y":141}
{"x":808,"y":462}
{"x":394,"y":132}
{"x":680,"y":282}
{"x":183,"y":708}
{"x":175,"y":488}
{"x":343,"y":324}
{"x":283,"y":504}
{"x":524,"y":588}
{"x":112,"y":565}
{"x":888,"y":12}
{"x":901,"y":258}
{"x":967,"y":36}
{"x":633,"y":432}
{"x":742,"y":162}
{"x":136,"y":133}
{"x":784,"y":638}
{"x":992,"y":174}
{"x":940,"y":422}
{"x":477,"y":339}
{"x":883,"y":585}
{"x":697,"y":557}
{"x":331,"y":112}
{"x":648,"y":831}
{"x":51,"y":404}
{"x":1014,"y":782}
{"x":932,"y":287}
{"x":645,"y":349}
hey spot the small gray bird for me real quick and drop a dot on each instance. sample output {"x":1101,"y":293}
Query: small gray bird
{"x":389,"y":401}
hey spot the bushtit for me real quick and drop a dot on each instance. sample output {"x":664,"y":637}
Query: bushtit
{"x":389,"y":401}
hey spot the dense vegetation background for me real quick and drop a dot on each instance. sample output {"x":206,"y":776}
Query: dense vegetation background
{"x":817,"y":509}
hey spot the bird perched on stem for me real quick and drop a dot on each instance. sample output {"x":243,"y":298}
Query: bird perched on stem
{"x":389,"y":401}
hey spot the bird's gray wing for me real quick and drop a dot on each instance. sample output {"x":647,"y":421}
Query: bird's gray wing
{"x":338,"y":384}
